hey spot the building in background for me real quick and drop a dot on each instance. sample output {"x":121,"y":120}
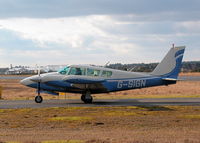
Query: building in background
{"x":16,"y":70}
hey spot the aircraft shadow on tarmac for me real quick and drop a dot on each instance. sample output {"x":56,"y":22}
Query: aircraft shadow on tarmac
{"x":134,"y":102}
{"x":151,"y":106}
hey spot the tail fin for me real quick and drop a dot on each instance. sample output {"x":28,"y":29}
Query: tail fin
{"x":171,"y":64}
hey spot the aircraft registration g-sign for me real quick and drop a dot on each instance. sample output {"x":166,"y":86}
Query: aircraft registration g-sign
{"x":131,"y":84}
{"x":87,"y":80}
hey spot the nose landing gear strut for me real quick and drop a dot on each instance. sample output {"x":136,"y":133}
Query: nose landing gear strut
{"x":38,"y":98}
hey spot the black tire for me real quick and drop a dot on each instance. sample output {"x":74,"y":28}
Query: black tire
{"x":88,"y":101}
{"x":38,"y":99}
{"x":83,"y":97}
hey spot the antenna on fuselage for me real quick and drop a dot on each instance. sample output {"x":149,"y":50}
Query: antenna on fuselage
{"x":106,"y":64}
{"x":131,"y":69}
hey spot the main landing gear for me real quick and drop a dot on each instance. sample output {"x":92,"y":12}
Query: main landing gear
{"x":86,"y":97}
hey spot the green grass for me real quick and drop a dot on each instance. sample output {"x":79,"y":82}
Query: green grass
{"x":13,"y":142}
{"x":71,"y":118}
{"x":145,"y":119}
{"x":119,"y":113}
{"x":2,"y":110}
{"x":64,"y":141}
{"x":191,"y":116}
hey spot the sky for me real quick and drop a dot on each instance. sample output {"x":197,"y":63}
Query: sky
{"x":60,"y":32}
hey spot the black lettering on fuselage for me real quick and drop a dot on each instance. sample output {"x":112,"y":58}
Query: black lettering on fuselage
{"x":131,"y":84}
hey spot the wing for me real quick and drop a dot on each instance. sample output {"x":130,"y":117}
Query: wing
{"x":83,"y":79}
{"x":94,"y":84}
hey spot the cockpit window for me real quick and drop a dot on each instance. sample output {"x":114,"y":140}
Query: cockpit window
{"x":93,"y":72}
{"x":65,"y":70}
{"x":80,"y":71}
{"x":106,"y":74}
{"x":76,"y":71}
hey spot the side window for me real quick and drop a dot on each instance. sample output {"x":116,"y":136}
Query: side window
{"x":83,"y":70}
{"x":96,"y":72}
{"x":93,"y":72}
{"x":106,"y":74}
{"x":77,"y":71}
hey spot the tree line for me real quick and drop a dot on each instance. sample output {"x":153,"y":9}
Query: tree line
{"x":187,"y":66}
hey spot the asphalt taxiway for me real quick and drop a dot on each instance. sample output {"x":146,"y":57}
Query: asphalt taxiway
{"x":17,"y":104}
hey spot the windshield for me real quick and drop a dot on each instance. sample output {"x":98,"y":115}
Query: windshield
{"x":64,"y":70}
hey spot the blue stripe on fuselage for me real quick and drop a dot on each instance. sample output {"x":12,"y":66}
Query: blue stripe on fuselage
{"x":62,"y":84}
{"x":44,"y":86}
{"x":126,"y":84}
{"x":174,"y":73}
{"x":111,"y":85}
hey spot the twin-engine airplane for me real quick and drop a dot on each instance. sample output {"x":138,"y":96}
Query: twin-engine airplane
{"x":88,"y":80}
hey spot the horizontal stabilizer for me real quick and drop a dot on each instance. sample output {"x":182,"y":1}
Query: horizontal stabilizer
{"x":170,"y":79}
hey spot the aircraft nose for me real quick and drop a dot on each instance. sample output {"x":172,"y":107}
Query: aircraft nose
{"x":31,"y":80}
{"x":36,"y":78}
{"x":25,"y":81}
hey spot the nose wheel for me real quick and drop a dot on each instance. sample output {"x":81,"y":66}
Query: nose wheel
{"x":87,"y":98}
{"x":38,"y":99}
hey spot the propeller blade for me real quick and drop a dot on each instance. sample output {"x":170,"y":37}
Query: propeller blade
{"x":38,"y":70}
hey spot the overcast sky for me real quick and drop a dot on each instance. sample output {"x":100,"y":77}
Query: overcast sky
{"x":49,"y":32}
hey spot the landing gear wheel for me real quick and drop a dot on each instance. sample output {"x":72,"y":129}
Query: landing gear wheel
{"x":88,"y":100}
{"x":38,"y":99}
{"x":83,"y":97}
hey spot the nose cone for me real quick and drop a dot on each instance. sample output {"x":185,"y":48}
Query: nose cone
{"x":27,"y":81}
{"x":31,"y":80}
{"x":36,"y":78}
{"x":24,"y":81}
